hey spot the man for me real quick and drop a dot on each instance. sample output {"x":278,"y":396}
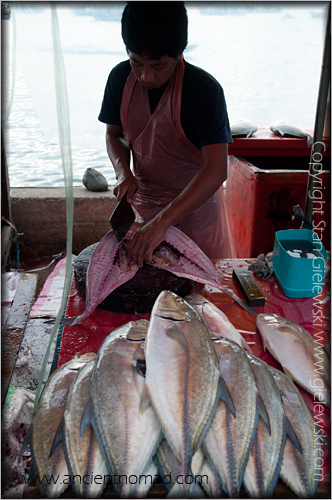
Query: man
{"x":174,"y":119}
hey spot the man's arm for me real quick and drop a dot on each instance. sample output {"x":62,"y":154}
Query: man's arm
{"x":199,"y":190}
{"x":119,"y":154}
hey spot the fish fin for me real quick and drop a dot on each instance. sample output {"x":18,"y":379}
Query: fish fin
{"x":262,"y":412}
{"x":68,"y":321}
{"x":58,"y":436}
{"x":175,"y":333}
{"x":288,"y":373}
{"x":87,"y":417}
{"x":291,"y":434}
{"x":145,"y":401}
{"x":180,"y":491}
{"x":245,"y":345}
{"x":26,"y":442}
{"x":225,"y":395}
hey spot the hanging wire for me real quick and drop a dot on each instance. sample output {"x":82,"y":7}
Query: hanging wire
{"x":64,"y":136}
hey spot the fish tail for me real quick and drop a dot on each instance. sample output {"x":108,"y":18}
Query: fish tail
{"x":70,"y":321}
{"x":183,"y":490}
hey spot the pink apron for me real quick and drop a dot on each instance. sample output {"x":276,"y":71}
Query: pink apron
{"x":165,"y":161}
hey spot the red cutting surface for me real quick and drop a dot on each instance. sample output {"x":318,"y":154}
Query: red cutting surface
{"x":311,"y":313}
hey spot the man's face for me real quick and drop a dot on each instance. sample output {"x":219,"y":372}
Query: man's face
{"x":152,"y":73}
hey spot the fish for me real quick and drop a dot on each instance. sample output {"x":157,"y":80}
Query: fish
{"x":182,"y":378}
{"x":145,"y":481}
{"x":264,"y":462}
{"x":286,"y":130}
{"x":230,"y":437}
{"x":94,"y":180}
{"x":215,"y":320}
{"x":210,"y":481}
{"x":303,"y":359}
{"x":181,"y":256}
{"x":127,"y":436}
{"x":170,"y":469}
{"x":111,"y":266}
{"x":46,"y":420}
{"x":242,"y":128}
{"x":298,"y":468}
{"x":83,"y":454}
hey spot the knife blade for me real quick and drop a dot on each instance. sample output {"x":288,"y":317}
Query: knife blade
{"x":122,"y":218}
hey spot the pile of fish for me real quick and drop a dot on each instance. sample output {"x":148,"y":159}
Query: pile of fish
{"x":178,"y":397}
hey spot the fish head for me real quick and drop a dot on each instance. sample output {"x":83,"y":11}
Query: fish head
{"x":273,"y":323}
{"x":137,"y":330}
{"x":171,"y":307}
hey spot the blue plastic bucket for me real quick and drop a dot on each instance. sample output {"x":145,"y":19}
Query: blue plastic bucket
{"x":298,"y":262}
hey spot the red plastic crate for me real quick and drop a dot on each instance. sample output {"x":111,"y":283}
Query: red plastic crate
{"x":260,"y":202}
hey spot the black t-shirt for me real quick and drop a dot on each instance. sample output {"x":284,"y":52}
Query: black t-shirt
{"x":203,"y":108}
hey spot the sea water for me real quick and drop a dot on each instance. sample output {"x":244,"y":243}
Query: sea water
{"x":267,"y":56}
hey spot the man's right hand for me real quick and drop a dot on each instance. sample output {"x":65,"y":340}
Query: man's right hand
{"x":126,"y":184}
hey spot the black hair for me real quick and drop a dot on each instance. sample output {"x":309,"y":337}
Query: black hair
{"x":155,"y":28}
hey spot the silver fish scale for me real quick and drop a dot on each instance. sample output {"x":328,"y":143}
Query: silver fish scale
{"x":182,"y":374}
{"x":129,"y":436}
{"x":45,"y":425}
{"x":264,"y":462}
{"x":303,"y":358}
{"x":298,"y":470}
{"x":82,"y":452}
{"x":229,"y":440}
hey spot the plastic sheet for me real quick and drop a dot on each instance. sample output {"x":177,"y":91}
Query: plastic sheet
{"x":9,"y":283}
{"x":49,"y":300}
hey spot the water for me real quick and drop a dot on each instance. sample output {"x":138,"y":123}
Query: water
{"x":301,"y":249}
{"x":267,"y":57}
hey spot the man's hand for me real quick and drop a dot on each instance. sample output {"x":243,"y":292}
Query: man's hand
{"x":146,"y":239}
{"x":125,"y":184}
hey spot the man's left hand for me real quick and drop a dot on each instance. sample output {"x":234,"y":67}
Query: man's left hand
{"x":146,"y":239}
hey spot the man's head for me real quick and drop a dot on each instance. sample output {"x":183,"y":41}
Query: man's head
{"x":155,"y":29}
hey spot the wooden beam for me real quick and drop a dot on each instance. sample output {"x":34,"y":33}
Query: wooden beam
{"x":6,"y":243}
{"x":14,"y":328}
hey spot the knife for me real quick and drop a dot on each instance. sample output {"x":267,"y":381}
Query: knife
{"x":122,"y":218}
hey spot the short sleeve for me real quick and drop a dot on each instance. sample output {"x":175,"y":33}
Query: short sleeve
{"x":111,"y":104}
{"x":212,"y":120}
